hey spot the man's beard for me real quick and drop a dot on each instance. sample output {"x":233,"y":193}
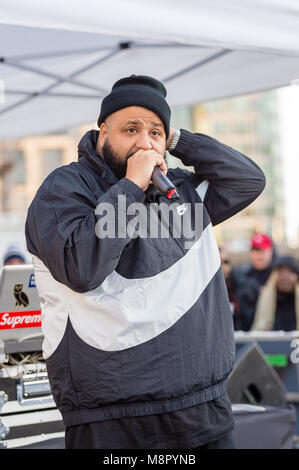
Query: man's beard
{"x":115,"y":162}
{"x":117,"y":165}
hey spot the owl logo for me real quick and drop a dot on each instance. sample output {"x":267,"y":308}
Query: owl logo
{"x":21,"y":297}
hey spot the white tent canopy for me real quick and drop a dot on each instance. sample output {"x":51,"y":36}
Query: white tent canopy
{"x":58,"y":59}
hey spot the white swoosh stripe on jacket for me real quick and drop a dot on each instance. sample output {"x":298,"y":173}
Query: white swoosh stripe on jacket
{"x":121,"y":312}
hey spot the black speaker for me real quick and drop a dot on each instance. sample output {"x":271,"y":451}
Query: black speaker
{"x":253,"y":380}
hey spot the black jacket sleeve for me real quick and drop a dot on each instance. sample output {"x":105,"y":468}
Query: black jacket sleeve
{"x":235,"y":181}
{"x":61,"y":229}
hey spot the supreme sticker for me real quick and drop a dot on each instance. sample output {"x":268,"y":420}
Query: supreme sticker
{"x":11,"y":320}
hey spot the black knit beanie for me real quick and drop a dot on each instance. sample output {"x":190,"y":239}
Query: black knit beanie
{"x":137,"y":90}
{"x":288,"y":261}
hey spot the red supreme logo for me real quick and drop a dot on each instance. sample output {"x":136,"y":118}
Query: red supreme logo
{"x":29,"y":319}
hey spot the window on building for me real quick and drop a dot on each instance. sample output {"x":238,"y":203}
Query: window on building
{"x":50,"y":159}
{"x":240,"y":104}
{"x":182,"y":116}
{"x":17,"y":173}
{"x":218,"y":127}
{"x":242,"y":127}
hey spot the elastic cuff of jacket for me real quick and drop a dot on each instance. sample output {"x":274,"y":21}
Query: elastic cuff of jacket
{"x":131,"y":188}
{"x":186,"y":142}
{"x":124,"y":187}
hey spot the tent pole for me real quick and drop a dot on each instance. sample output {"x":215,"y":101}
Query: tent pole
{"x":197,"y":65}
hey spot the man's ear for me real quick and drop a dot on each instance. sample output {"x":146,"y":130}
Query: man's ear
{"x":102,"y":136}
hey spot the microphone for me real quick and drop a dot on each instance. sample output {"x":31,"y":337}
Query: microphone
{"x":164,"y":184}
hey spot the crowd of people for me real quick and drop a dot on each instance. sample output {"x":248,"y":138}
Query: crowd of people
{"x":264,"y":294}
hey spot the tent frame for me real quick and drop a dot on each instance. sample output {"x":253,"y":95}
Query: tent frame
{"x":18,"y":63}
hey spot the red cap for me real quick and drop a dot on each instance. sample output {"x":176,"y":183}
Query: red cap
{"x":261,"y":242}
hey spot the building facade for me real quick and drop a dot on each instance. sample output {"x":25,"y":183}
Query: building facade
{"x":249,"y":124}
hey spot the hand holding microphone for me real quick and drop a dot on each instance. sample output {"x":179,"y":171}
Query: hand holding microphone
{"x":146,"y":166}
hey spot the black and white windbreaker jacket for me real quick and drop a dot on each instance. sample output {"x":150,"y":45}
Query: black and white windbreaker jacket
{"x":136,"y":325}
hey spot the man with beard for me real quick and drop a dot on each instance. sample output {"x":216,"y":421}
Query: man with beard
{"x":138,"y":330}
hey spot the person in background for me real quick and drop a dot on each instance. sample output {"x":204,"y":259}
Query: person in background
{"x":242,"y":292}
{"x":230,"y":279}
{"x":255,"y":274}
{"x":14,"y":255}
{"x":262,"y":256}
{"x":278,"y":303}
